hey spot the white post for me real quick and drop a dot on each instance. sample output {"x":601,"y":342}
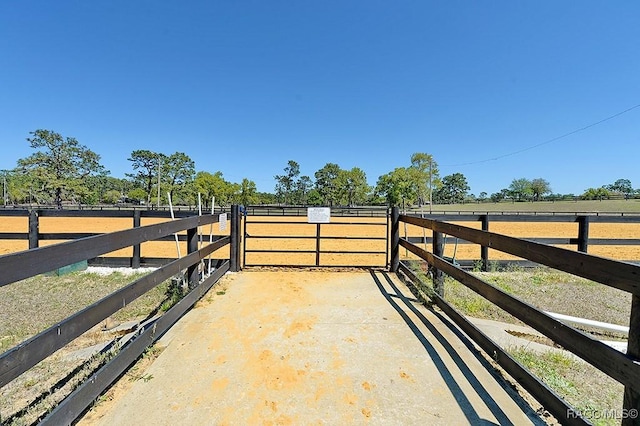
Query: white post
{"x":213,"y":203}
{"x":173,"y":218}
{"x":430,"y":185}
{"x":159,"y":163}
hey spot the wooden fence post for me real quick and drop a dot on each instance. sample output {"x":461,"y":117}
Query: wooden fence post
{"x":317,"y":244}
{"x":395,"y":239}
{"x":234,"y":259}
{"x":583,"y":233}
{"x":484,"y":251}
{"x":193,"y":276}
{"x":631,"y":404}
{"x":438,"y":276}
{"x":34,"y":229}
{"x":135,"y":260}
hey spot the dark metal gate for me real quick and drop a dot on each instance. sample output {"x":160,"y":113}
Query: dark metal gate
{"x":352,"y":238}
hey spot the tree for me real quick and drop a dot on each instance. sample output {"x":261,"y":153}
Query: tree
{"x":397,"y":187}
{"x":326,"y":183}
{"x":60,"y":165}
{"x":539,"y":187}
{"x":453,"y":190}
{"x":137,"y":194}
{"x":248,"y":192}
{"x":596,"y":193}
{"x":496,"y":197}
{"x":520,"y":189}
{"x":214,"y":185}
{"x":147,"y":165}
{"x":287,"y":184}
{"x":302,"y":187}
{"x":314,"y":198}
{"x":352,"y":187}
{"x":426,"y":175}
{"x":622,"y":186}
{"x":178,"y":170}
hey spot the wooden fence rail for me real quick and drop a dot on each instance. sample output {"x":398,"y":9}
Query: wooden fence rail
{"x":625,"y":368}
{"x":25,"y":264}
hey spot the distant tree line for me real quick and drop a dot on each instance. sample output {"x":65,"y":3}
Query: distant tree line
{"x":64,"y":171}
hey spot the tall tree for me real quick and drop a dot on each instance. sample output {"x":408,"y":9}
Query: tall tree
{"x":248,"y":192}
{"x":453,"y":190}
{"x":622,"y":186}
{"x":286,"y":183}
{"x":178,"y":170}
{"x":520,"y":189}
{"x":213,"y":185}
{"x":326,"y":183}
{"x":302,"y":187}
{"x":426,"y":175}
{"x":540,"y":187}
{"x":352,"y":187}
{"x":397,"y":187}
{"x":60,"y":165}
{"x":147,"y":165}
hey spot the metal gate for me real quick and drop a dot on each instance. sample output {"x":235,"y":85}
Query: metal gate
{"x":351,"y":238}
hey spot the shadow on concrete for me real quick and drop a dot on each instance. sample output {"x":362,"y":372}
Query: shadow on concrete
{"x":459,"y":395}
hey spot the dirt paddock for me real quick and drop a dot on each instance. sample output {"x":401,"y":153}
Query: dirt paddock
{"x":356,"y":227}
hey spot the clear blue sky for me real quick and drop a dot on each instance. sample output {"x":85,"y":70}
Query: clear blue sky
{"x":244,"y":86}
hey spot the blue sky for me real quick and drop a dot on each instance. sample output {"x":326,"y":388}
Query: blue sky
{"x":244,"y":86}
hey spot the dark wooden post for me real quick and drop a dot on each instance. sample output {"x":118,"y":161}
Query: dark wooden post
{"x":583,"y":233}
{"x":34,"y":229}
{"x":234,"y":259}
{"x":438,"y":276}
{"x":135,"y":260}
{"x":395,"y":239}
{"x":484,"y":251}
{"x":192,"y":245}
{"x":631,"y":402}
{"x":317,"y":244}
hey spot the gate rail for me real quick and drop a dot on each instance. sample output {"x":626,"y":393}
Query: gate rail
{"x":318,"y":237}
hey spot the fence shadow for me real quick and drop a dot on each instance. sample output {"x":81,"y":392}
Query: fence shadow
{"x":405,"y":309}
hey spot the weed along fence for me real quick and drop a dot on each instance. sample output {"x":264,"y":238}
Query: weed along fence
{"x":18,"y":266}
{"x":625,"y":368}
{"x":319,"y":237}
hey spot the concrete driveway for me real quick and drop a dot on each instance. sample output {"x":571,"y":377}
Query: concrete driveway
{"x":313,"y":347}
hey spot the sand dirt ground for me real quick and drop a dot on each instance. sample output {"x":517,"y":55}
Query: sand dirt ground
{"x":311,"y":347}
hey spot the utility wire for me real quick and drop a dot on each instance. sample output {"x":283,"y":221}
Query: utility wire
{"x":545,"y":142}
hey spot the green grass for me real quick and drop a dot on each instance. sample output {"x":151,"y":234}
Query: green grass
{"x":580,"y":206}
{"x":583,"y":386}
{"x":32,"y":305}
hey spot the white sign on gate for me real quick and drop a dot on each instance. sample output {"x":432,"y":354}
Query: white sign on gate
{"x":318,"y":214}
{"x":223,"y":221}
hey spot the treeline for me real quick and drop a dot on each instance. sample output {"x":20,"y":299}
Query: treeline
{"x":64,"y":171}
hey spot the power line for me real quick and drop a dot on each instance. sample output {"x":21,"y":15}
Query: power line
{"x":545,"y":142}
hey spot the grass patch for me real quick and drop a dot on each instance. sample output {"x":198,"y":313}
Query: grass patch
{"x":30,"y":306}
{"x":586,"y":388}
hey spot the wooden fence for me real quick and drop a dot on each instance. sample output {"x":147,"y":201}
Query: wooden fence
{"x":25,"y":264}
{"x":625,"y":368}
{"x":581,"y":241}
{"x":34,"y":236}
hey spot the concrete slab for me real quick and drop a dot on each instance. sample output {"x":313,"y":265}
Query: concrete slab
{"x":300,"y":347}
